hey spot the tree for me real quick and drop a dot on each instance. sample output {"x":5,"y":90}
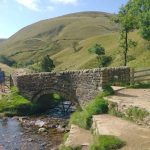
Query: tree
{"x":140,"y":11}
{"x":127,"y":24}
{"x":141,"y":8}
{"x":47,"y":64}
{"x":99,"y":50}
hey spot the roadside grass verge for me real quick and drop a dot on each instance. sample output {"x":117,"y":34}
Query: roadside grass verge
{"x":106,"y":142}
{"x":15,"y":104}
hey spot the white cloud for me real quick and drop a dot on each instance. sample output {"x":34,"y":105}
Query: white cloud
{"x":31,"y":4}
{"x":74,"y":2}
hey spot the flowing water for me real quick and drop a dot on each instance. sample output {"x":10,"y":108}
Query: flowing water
{"x":15,"y":137}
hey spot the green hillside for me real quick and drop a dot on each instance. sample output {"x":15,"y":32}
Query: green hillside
{"x":53,"y":35}
{"x":138,"y":57}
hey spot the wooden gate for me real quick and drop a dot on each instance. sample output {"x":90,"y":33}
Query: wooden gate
{"x":142,"y":75}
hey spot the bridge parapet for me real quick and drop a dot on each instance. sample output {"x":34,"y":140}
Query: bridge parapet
{"x":79,"y":86}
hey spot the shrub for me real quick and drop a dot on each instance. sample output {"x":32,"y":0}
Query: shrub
{"x":106,"y":142}
{"x":105,"y":61}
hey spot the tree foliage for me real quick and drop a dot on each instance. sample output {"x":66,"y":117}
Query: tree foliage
{"x":127,"y":24}
{"x":47,"y":64}
{"x":99,"y":50}
{"x":6,"y":60}
{"x":140,"y":10}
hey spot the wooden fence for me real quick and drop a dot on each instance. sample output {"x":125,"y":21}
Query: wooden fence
{"x":140,"y":75}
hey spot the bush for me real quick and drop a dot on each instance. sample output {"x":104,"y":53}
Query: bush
{"x":84,"y":118}
{"x":105,"y":61}
{"x":107,"y":142}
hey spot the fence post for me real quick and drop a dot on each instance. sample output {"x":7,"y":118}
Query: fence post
{"x":11,"y":81}
{"x":132,"y":76}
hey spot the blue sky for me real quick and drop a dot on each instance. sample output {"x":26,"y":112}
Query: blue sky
{"x":16,"y":14}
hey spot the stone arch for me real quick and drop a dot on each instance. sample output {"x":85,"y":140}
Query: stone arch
{"x":71,"y":96}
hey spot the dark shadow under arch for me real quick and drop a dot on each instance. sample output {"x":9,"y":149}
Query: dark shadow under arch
{"x":71,"y":96}
{"x":65,"y":106}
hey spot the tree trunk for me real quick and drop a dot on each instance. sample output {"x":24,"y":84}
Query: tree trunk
{"x":126,"y":48}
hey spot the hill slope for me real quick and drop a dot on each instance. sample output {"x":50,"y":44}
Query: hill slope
{"x":53,"y":35}
{"x":2,"y":40}
{"x":137,"y":57}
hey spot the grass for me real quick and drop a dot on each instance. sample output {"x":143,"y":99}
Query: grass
{"x":84,"y":118}
{"x":15,"y":104}
{"x":106,"y":142}
{"x":136,"y":114}
{"x":70,"y":148}
{"x":140,"y":85}
{"x":8,"y":70}
{"x":132,"y":113}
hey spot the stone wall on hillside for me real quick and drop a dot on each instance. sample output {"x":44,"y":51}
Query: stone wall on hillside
{"x":77,"y":86}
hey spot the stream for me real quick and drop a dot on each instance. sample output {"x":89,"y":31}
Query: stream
{"x":44,"y":132}
{"x":24,"y":133}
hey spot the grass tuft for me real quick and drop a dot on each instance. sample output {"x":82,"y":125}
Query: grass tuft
{"x":107,"y":142}
{"x":70,"y":148}
{"x":136,"y":114}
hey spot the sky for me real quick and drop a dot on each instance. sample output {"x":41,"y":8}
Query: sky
{"x":16,"y":14}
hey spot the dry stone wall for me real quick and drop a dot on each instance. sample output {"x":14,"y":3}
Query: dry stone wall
{"x":78,"y":86}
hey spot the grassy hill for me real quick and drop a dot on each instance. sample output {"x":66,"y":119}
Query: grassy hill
{"x":53,"y":35}
{"x":8,"y":70}
{"x":137,"y":57}
{"x":2,"y":40}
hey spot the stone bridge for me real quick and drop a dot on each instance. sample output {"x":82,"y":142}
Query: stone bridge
{"x":77,"y":86}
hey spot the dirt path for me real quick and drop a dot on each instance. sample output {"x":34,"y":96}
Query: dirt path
{"x":137,"y":138}
{"x":131,"y":97}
